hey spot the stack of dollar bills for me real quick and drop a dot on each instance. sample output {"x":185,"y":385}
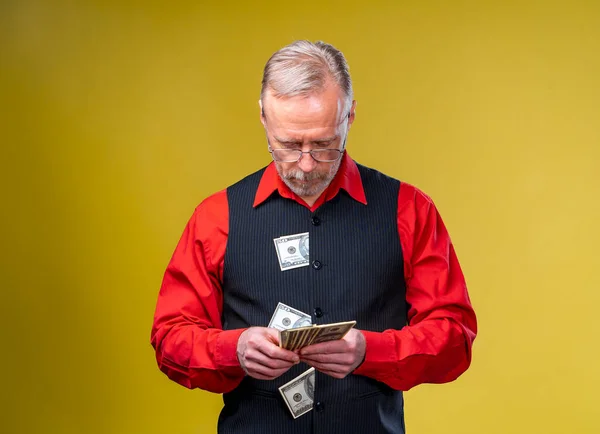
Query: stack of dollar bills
{"x":297,"y":331}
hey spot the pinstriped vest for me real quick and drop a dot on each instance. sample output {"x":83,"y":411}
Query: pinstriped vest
{"x":355,"y":273}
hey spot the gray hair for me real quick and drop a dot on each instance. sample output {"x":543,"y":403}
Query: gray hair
{"x":304,"y":67}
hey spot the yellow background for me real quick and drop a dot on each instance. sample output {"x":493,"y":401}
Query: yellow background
{"x":119,"y":117}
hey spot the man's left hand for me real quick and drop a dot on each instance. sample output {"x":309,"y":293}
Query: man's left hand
{"x":336,"y":358}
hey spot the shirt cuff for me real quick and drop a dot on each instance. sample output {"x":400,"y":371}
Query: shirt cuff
{"x":226,"y":348}
{"x":380,"y":349}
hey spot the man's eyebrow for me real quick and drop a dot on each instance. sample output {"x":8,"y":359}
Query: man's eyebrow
{"x":319,"y":140}
{"x":325,"y":139}
{"x":286,"y":140}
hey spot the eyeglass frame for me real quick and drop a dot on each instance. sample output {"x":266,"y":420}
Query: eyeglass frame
{"x":301,"y":153}
{"x":340,"y":151}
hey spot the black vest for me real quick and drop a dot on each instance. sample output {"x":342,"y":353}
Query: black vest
{"x":355,"y":273}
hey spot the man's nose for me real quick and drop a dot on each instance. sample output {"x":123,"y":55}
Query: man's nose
{"x":307,"y":163}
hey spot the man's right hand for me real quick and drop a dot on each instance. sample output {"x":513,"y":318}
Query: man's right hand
{"x":260,"y":356}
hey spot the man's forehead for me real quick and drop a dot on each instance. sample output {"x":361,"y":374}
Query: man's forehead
{"x":323,"y":107}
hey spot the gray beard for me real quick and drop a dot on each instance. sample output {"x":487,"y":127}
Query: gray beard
{"x":314,"y":189}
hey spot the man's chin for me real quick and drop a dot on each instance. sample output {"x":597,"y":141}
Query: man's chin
{"x":303,"y":192}
{"x":307,"y":188}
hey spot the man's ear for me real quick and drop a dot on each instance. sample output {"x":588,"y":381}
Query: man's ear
{"x":352,"y":113}
{"x":262,"y":113}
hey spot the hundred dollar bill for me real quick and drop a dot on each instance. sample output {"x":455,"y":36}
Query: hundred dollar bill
{"x":294,"y":339}
{"x":332,"y":332}
{"x":299,"y":394}
{"x":292,"y":251}
{"x":286,"y":317}
{"x":306,"y":337}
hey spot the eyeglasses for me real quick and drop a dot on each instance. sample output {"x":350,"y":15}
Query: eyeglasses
{"x":294,"y":155}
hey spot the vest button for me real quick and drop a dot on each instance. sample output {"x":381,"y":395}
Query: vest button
{"x":316,"y":221}
{"x":318,"y":312}
{"x":317,"y":265}
{"x":319,"y":406}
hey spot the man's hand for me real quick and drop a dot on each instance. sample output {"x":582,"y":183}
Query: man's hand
{"x":260,"y":356}
{"x":336,"y":358}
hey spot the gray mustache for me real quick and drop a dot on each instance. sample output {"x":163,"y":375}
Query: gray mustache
{"x":301,"y":176}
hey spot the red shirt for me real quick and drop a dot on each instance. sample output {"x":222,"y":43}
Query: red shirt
{"x":193,"y":350}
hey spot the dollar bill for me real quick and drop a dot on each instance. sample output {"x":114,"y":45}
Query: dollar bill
{"x":332,"y":332}
{"x":286,"y":317}
{"x":292,"y":251}
{"x":307,"y":337}
{"x":299,"y":394}
{"x":294,"y":339}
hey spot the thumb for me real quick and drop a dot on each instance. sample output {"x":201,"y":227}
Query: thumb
{"x":273,"y":335}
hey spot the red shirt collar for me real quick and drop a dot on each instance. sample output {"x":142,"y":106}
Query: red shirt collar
{"x":347,"y":178}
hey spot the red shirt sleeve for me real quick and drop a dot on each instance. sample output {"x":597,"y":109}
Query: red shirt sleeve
{"x":435,"y":346}
{"x":191,"y":347}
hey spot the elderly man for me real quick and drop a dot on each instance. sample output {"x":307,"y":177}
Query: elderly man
{"x":376,"y":252}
